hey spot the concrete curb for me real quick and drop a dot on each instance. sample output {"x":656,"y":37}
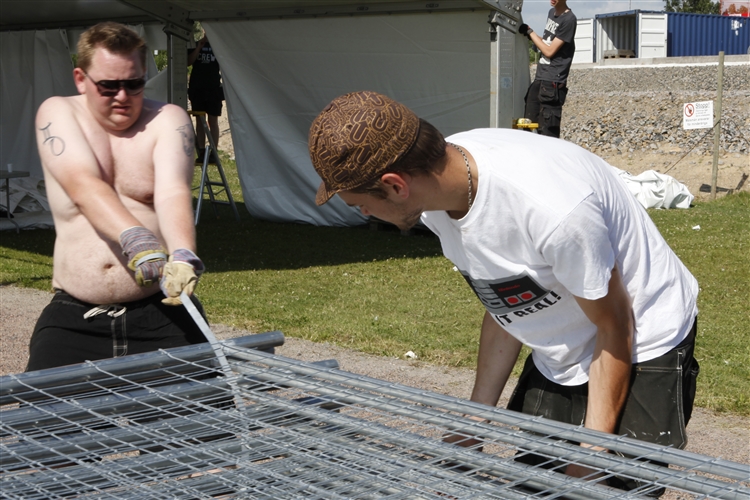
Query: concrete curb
{"x":733,"y":60}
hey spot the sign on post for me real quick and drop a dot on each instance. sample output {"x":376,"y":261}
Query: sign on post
{"x":698,"y":115}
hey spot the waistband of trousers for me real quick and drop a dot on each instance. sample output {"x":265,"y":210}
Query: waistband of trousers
{"x":63,"y":296}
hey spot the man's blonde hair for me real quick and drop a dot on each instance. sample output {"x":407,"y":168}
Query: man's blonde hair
{"x":115,"y":37}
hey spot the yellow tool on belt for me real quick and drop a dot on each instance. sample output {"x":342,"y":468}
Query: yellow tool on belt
{"x":525,"y":123}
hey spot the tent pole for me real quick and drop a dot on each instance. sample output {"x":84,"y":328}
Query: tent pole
{"x":177,"y":76}
{"x":169,"y":67}
{"x":509,"y":68}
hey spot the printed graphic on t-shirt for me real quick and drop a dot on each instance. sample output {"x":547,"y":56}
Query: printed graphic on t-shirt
{"x":516,"y":295}
{"x":549,"y":34}
{"x":551,"y":26}
{"x":206,"y":56}
{"x":545,"y":59}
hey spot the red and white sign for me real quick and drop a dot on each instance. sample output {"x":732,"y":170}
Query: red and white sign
{"x":698,"y":115}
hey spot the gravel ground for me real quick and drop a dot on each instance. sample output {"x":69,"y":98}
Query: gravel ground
{"x":720,"y":435}
{"x":637,"y":108}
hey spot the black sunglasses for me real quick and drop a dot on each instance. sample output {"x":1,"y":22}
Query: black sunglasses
{"x":110,"y":88}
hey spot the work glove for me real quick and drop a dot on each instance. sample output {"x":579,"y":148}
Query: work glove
{"x":525,"y":30}
{"x":145,"y":254}
{"x":180,"y":273}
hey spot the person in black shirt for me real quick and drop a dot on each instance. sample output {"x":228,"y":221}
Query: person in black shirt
{"x":546,"y":94}
{"x":205,"y":93}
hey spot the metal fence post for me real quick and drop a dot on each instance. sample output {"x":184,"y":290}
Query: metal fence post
{"x":717,"y":126}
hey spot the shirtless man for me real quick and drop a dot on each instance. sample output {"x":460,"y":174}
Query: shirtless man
{"x":118,"y":170}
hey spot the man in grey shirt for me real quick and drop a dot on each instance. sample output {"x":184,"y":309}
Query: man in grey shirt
{"x":546,"y":94}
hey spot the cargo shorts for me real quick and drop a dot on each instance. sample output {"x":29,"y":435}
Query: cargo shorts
{"x":657,"y":409}
{"x":658,"y":405}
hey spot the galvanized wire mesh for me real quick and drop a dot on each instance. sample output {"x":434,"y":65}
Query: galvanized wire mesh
{"x":171,"y":425}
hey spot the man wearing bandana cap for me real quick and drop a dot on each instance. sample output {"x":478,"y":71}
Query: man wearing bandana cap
{"x":559,"y":252}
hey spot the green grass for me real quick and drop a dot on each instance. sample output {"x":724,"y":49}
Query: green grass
{"x":386,"y":294}
{"x":374,"y":291}
{"x":717,"y":255}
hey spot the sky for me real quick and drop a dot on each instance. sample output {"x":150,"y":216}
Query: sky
{"x":535,"y":11}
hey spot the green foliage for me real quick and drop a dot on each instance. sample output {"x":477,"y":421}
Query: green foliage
{"x":160,"y":58}
{"x":386,"y":294}
{"x":692,"y":6}
{"x":533,"y":53}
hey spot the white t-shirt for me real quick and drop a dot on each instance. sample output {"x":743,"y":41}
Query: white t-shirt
{"x":550,"y":220}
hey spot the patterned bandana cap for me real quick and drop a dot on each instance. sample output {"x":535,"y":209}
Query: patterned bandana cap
{"x":357,"y":137}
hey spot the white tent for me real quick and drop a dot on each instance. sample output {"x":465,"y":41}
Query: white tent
{"x":34,"y":65}
{"x":282,"y":62}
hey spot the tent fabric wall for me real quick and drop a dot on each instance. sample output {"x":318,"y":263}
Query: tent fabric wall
{"x":279,"y":74}
{"x":34,"y":65}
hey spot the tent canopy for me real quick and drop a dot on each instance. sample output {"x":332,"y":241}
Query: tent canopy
{"x":19,"y":15}
{"x":47,"y":14}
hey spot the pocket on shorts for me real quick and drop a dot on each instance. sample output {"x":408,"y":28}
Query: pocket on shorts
{"x":547,"y":93}
{"x":654,"y":408}
{"x":689,"y":385}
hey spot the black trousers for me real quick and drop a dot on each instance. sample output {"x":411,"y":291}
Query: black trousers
{"x":208,"y":100}
{"x":63,"y":336}
{"x":544,"y":102}
{"x":658,"y":405}
{"x":657,"y":409}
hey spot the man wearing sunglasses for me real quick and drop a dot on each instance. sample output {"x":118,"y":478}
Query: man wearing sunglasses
{"x":118,"y":170}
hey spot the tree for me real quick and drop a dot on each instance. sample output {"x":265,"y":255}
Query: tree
{"x":692,"y":6}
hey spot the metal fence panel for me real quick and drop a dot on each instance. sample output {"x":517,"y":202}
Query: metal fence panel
{"x":281,"y":428}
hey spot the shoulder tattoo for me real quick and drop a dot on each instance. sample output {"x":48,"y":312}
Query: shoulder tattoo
{"x":56,"y":144}
{"x":186,"y":131}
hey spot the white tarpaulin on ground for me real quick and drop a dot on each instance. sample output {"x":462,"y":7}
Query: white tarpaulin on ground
{"x":279,"y":74}
{"x":655,"y":190}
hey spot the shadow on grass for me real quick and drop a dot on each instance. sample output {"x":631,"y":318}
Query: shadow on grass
{"x":37,"y":241}
{"x":251,"y":244}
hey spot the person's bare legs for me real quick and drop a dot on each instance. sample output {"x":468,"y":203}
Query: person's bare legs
{"x":213,"y":125}
{"x":200,"y":133}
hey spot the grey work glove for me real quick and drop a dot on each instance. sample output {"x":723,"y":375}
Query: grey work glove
{"x":145,"y":254}
{"x":180,"y":274}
